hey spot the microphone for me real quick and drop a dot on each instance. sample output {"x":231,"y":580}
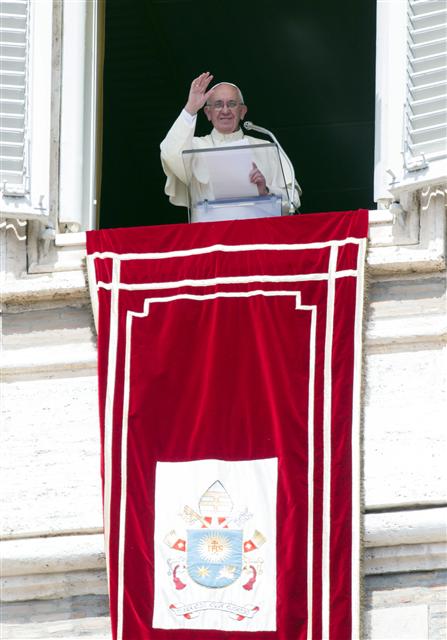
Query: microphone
{"x":249,"y":126}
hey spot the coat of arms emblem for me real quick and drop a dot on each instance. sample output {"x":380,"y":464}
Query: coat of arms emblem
{"x":214,"y":551}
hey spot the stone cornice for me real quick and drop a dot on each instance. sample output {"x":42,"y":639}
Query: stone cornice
{"x":79,"y":551}
{"x":399,"y":243}
{"x":44,"y":290}
{"x":62,"y":356}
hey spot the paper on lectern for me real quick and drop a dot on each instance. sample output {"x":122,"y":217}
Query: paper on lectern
{"x":229,"y":172}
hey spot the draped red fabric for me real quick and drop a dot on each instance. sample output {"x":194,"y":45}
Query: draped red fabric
{"x":234,"y":349}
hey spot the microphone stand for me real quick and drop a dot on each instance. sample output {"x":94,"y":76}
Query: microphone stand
{"x":249,"y":126}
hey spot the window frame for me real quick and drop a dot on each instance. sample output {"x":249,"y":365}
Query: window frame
{"x":79,"y":161}
{"x":35,"y":202}
{"x":394,"y":174}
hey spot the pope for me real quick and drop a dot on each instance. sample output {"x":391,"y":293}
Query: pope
{"x":224,"y":107}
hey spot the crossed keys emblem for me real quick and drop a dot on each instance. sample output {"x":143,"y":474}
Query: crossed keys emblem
{"x":213,"y":551}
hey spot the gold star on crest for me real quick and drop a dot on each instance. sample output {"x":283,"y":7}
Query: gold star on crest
{"x":203,"y":571}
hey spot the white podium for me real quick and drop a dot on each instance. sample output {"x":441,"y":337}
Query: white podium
{"x":219,"y":187}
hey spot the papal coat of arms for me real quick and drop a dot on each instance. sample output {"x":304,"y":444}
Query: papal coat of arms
{"x":214,"y":552}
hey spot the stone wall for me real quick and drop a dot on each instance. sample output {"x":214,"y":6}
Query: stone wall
{"x":54,"y":583}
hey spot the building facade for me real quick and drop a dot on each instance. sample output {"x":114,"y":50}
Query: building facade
{"x":54,"y":580}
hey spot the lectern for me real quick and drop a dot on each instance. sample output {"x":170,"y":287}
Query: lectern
{"x":219,"y":186}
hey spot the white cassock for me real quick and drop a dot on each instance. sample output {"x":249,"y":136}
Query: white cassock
{"x":181,"y":138}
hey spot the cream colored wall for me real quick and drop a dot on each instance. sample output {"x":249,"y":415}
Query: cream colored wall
{"x":53,"y":563}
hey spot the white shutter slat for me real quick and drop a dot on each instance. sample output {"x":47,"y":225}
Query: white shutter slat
{"x":429,"y":105}
{"x":429,"y":134}
{"x":14,"y":6}
{"x":11,"y":136}
{"x":12,"y":121}
{"x":12,"y":36}
{"x":428,"y":20}
{"x":10,"y":93}
{"x":423,"y":36}
{"x":12,"y":50}
{"x":427,"y":63}
{"x":11,"y":21}
{"x":436,"y":149}
{"x":422,"y":7}
{"x":425,"y":49}
{"x":426,"y":107}
{"x":13,"y":107}
{"x":431,"y":77}
{"x":14,"y":65}
{"x":14,"y":16}
{"x":428,"y":119}
{"x":428,"y":90}
{"x":13,"y":150}
{"x":12,"y":79}
{"x":14,"y":164}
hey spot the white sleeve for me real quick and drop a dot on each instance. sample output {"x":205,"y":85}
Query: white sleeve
{"x":179,"y":138}
{"x":188,"y":118}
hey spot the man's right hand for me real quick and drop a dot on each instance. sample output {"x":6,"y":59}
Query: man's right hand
{"x":198,"y":94}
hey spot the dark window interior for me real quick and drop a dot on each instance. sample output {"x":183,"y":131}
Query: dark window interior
{"x":306,"y":69}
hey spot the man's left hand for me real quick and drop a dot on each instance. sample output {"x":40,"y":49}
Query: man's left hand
{"x":257,"y":178}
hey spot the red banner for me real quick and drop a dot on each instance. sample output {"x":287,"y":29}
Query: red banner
{"x":229,"y":384}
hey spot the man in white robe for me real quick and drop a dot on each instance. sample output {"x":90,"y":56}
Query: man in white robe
{"x":224,"y":107}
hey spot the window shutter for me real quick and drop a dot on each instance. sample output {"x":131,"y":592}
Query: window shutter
{"x":426,"y":100}
{"x":14,"y":19}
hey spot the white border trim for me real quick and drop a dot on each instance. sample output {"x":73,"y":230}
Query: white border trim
{"x":93,"y":290}
{"x":222,"y":294}
{"x":109,"y":404}
{"x":326,"y":493}
{"x":209,"y":282}
{"x":225,"y":248}
{"x":123,"y":499}
{"x":310,"y":465}
{"x":327,"y":444}
{"x":126,"y":396}
{"x":355,"y":443}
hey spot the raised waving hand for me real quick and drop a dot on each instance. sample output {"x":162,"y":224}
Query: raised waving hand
{"x":198,"y":93}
